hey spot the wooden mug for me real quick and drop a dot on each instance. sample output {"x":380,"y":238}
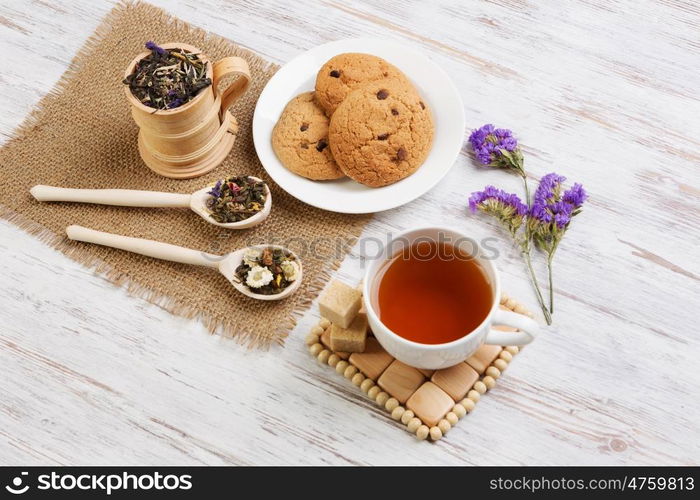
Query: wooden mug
{"x":194,"y":138}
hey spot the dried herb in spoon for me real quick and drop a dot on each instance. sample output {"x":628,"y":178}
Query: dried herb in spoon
{"x":267,"y":271}
{"x":236,"y":199}
{"x":168,"y":78}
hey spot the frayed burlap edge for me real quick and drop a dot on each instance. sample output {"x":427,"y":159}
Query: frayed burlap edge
{"x":80,"y":254}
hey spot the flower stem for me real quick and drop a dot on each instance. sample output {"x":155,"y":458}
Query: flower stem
{"x":536,"y":285}
{"x":527,"y":191}
{"x":551,"y":287}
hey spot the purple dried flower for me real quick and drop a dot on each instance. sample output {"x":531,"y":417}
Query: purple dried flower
{"x":538,"y":212}
{"x":492,"y":194}
{"x":151,"y":45}
{"x":497,"y":147}
{"x":216,"y":190}
{"x":549,"y":188}
{"x":175,"y":103}
{"x":508,"y":208}
{"x":551,"y":210}
{"x":575,"y":196}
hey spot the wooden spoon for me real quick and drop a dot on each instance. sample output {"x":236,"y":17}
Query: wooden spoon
{"x":225,"y":264}
{"x":196,"y":201}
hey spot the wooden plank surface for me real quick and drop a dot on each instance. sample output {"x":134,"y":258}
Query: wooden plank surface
{"x":603,"y":92}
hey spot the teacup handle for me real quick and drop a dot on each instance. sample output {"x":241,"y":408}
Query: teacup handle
{"x":529,"y":329}
{"x":231,"y":66}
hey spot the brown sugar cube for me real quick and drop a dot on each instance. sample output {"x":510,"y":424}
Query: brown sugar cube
{"x":352,"y":338}
{"x":326,"y":341}
{"x":483,"y":357}
{"x":340,"y":303}
{"x":373,"y":361}
{"x":456,"y":380}
{"x":400,"y":380}
{"x":430,"y":403}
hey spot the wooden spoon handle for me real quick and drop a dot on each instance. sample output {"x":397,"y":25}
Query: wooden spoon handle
{"x":149,"y":248}
{"x":119,"y":197}
{"x":231,"y":67}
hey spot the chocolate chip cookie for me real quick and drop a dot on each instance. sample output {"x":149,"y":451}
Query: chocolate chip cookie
{"x":300,"y":140}
{"x":345,"y":72}
{"x":381,"y":133}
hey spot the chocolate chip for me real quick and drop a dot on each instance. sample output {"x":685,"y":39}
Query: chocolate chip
{"x":401,"y":154}
{"x":383,"y":137}
{"x":304,"y":127}
{"x":422,"y":105}
{"x":394,"y":111}
{"x":321,"y":145}
{"x":382,"y":94}
{"x":304,"y":145}
{"x":335,"y":73}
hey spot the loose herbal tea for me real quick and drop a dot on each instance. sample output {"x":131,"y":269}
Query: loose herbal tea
{"x":236,"y":199}
{"x":168,"y":78}
{"x":268,"y":271}
{"x":433,"y":293}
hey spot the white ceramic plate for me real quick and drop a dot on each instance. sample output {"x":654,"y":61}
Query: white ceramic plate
{"x":345,"y":195}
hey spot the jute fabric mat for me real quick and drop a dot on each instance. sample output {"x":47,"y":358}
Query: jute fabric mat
{"x":81,"y":135}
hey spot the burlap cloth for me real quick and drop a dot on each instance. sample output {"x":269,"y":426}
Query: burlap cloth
{"x":81,"y":135}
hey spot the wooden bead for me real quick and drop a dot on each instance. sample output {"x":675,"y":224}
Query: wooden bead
{"x":315,"y":349}
{"x":350,"y":372}
{"x":341,"y":366}
{"x":494,"y":372}
{"x":435,"y":433}
{"x":469,"y":403}
{"x":480,"y":387}
{"x":382,"y":398}
{"x":452,"y":418}
{"x":489,"y":382}
{"x":311,"y":339}
{"x":397,"y":413}
{"x":444,"y":426}
{"x":501,"y":364}
{"x":391,"y":403}
{"x":506,"y":356}
{"x":357,"y":379}
{"x":366,"y":385}
{"x":459,"y":410}
{"x":520,"y":309}
{"x":422,"y":432}
{"x":333,"y":360}
{"x":317,"y":330}
{"x":373,"y":391}
{"x":323,"y":356}
{"x":413,"y":424}
{"x":324,"y":323}
{"x":474,"y":396}
{"x":407,"y":417}
{"x":513,"y":349}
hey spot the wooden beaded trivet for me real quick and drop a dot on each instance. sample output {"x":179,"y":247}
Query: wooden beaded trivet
{"x":427,"y":402}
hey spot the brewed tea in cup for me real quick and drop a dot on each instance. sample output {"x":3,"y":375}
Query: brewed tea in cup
{"x":432,"y":297}
{"x":432,"y":293}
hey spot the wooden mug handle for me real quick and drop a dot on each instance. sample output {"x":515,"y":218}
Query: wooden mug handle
{"x":231,"y":66}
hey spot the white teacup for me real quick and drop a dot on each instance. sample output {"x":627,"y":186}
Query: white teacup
{"x":437,"y":356}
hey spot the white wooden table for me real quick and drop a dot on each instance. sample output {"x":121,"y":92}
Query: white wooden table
{"x":605,"y":93}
